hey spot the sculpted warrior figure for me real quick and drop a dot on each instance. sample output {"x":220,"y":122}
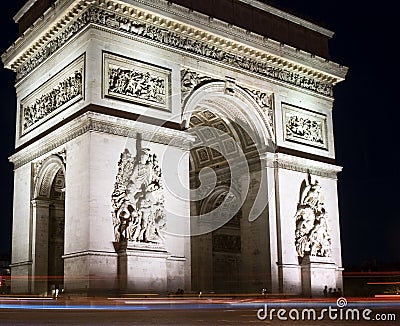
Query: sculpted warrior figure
{"x":138,"y":199}
{"x":311,"y":236}
{"x":141,"y":174}
{"x":135,"y":83}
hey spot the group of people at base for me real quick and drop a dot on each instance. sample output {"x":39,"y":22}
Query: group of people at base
{"x":332,"y":293}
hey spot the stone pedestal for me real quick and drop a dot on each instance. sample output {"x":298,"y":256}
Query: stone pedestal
{"x":142,"y":268}
{"x":317,"y":272}
{"x":290,"y":279}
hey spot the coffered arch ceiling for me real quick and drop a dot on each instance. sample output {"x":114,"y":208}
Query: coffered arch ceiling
{"x":218,"y":137}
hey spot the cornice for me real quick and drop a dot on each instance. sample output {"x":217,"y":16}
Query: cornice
{"x":300,"y":69}
{"x":289,"y":17}
{"x":298,"y":164}
{"x":89,"y":253}
{"x":305,"y":59}
{"x":97,"y":122}
{"x":24,"y":10}
{"x":49,"y":24}
{"x":21,"y":264}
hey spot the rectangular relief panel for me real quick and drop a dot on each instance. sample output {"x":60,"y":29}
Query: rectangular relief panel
{"x":304,"y":126}
{"x":136,"y":81}
{"x":61,"y":91}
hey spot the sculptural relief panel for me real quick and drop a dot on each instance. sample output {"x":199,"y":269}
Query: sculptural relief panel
{"x":63,"y":90}
{"x":137,"y":82}
{"x":138,"y":199}
{"x":265,"y":102}
{"x":190,"y":79}
{"x":312,"y":237}
{"x":304,"y":126}
{"x":163,"y":36}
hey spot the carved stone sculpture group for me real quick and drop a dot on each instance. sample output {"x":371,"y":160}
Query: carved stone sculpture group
{"x":119,"y":22}
{"x":304,"y":128}
{"x":138,"y":199}
{"x":311,"y":236}
{"x":136,"y":84}
{"x":63,"y":92}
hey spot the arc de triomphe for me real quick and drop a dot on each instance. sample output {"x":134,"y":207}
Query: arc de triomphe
{"x":160,"y":146}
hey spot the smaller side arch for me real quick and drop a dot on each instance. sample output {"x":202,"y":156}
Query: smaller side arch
{"x":47,"y":172}
{"x":47,"y":226}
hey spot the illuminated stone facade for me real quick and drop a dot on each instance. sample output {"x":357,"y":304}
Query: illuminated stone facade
{"x":158,"y":147}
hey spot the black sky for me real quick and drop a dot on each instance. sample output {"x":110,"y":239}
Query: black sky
{"x":366,"y":123}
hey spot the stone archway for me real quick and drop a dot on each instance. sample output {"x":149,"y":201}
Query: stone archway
{"x":226,"y":247}
{"x":48,"y":212}
{"x":226,"y":179}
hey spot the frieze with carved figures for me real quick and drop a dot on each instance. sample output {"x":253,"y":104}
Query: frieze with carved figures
{"x":136,"y":81}
{"x":164,"y":36}
{"x":305,"y":127}
{"x":64,"y":89}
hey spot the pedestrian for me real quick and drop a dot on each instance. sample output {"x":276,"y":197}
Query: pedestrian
{"x":325,"y":291}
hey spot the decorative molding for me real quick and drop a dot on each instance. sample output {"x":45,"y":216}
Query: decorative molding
{"x":271,"y":47}
{"x":138,"y":199}
{"x":230,"y":85}
{"x":304,"y":126}
{"x":37,"y":166}
{"x":136,"y":81}
{"x":45,"y":173}
{"x":61,"y":91}
{"x":143,"y":249}
{"x":295,"y":19}
{"x":265,"y":102}
{"x":311,"y":235}
{"x":21,"y":264}
{"x":302,"y":165}
{"x":89,"y":253}
{"x":191,"y":22}
{"x":190,"y":80}
{"x":147,"y":30}
{"x":91,"y":121}
{"x":321,"y":172}
{"x":27,"y":6}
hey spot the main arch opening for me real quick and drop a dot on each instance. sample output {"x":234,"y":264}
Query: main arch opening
{"x":229,"y":251}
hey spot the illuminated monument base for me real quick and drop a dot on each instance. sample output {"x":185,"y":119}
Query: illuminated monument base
{"x":142,"y":270}
{"x":156,"y":152}
{"x":316,"y":273}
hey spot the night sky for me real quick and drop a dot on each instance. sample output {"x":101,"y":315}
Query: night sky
{"x":366,"y":123}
